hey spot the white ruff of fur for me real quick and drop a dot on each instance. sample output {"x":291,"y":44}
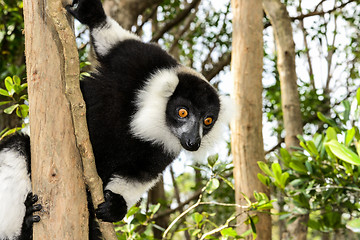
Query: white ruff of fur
{"x":14,"y":186}
{"x":108,"y":35}
{"x":131,"y":190}
{"x":149,"y":122}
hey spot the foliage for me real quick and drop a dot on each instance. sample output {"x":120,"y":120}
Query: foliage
{"x":15,"y":94}
{"x":11,"y":39}
{"x":322,"y":177}
{"x":200,"y":222}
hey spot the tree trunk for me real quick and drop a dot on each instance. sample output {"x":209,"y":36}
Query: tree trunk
{"x":57,"y":178}
{"x":246,"y":137}
{"x":280,"y":20}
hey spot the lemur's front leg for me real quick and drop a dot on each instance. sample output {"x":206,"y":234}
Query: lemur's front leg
{"x":113,"y":209}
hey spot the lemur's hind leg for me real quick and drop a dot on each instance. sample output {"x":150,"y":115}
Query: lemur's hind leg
{"x":105,"y":31}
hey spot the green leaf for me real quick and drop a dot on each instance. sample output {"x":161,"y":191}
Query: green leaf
{"x":331,"y":133}
{"x":303,"y":145}
{"x":228,"y":232}
{"x":4,"y":102}
{"x":358,"y":96}
{"x":264,"y":179}
{"x":246,"y":198}
{"x":342,"y":152}
{"x":265,"y":206}
{"x":9,"y":85}
{"x":327,"y":120}
{"x":212,"y":185}
{"x":227,"y":182}
{"x":285,"y":156}
{"x":22,"y":111}
{"x":284,"y":178}
{"x":132,"y":211}
{"x":212,"y":160}
{"x":10,"y":109}
{"x":276,"y":168}
{"x":195,"y":232}
{"x":354,"y":225}
{"x":265,"y":168}
{"x":311,"y":146}
{"x":346,"y":113}
{"x":155,"y":208}
{"x":298,"y":166}
{"x":309,"y":167}
{"x":297,"y":182}
{"x":10,"y":131}
{"x":16,"y":80}
{"x":4,"y":92}
{"x":197,"y":217}
{"x":252,"y":224}
{"x":349,"y":136}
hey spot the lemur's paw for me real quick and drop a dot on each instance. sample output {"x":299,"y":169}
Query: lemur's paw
{"x":113,"y":209}
{"x":89,"y":12}
{"x":31,"y":208}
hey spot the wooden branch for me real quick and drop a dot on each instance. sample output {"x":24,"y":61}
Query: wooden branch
{"x":146,"y":18}
{"x":78,"y":112}
{"x":180,"y":33}
{"x":223,"y":61}
{"x":321,"y":13}
{"x":275,"y":147}
{"x":180,"y":17}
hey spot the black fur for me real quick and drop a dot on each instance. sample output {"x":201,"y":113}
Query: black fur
{"x":20,"y":143}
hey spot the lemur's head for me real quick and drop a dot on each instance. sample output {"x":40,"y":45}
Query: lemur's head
{"x":178,"y":108}
{"x":192,"y":110}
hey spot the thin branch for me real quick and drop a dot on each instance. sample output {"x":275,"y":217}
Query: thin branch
{"x":180,"y":206}
{"x":180,"y":33}
{"x":318,"y":5}
{"x":321,"y":13}
{"x":183,"y":214}
{"x":223,"y":61}
{"x":307,"y":50}
{"x":180,"y":17}
{"x":147,"y":18}
{"x":274,"y":147}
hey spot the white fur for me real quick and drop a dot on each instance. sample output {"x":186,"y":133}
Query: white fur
{"x":149,"y":122}
{"x":108,"y":35}
{"x":14,"y":186}
{"x":131,"y":190}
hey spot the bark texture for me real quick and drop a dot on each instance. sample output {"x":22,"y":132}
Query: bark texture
{"x":246,"y":137}
{"x":281,"y":22}
{"x":56,"y":165}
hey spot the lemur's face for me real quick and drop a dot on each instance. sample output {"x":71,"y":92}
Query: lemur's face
{"x":192,"y":111}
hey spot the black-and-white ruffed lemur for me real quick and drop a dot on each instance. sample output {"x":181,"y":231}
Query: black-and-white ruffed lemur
{"x":143,"y":108}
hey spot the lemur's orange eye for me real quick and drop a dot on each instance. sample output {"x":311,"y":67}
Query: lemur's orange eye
{"x":183,"y":113}
{"x":208,"y":121}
